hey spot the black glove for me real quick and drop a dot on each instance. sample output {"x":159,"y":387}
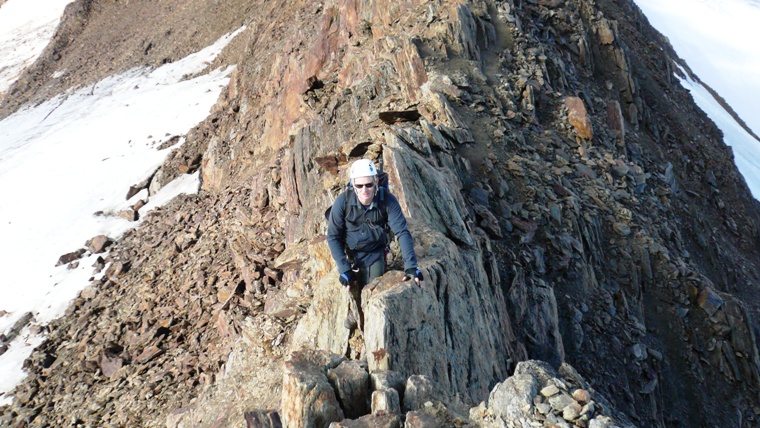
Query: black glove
{"x":346,"y":278}
{"x":412,"y":273}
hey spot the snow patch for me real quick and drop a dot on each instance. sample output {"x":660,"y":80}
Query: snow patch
{"x":718,"y":39}
{"x":76,"y":155}
{"x":26,"y":27}
{"x":745,"y":147}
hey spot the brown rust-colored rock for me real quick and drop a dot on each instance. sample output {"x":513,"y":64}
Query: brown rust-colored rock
{"x":578,"y":117}
{"x":98,"y":244}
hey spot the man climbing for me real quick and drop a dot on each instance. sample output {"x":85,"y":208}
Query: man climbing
{"x":356,"y":233}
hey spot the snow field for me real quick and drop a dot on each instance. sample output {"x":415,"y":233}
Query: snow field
{"x":78,"y":154}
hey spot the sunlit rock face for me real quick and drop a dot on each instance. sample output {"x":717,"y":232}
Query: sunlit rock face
{"x":569,"y":206}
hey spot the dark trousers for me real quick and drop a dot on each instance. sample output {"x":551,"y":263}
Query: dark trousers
{"x":364,"y":277}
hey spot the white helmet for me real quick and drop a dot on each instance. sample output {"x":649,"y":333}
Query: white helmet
{"x":363,"y":168}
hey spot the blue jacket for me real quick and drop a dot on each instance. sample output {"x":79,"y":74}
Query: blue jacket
{"x":362,"y":232}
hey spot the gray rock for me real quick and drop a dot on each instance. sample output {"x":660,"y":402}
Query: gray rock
{"x":413,"y":137}
{"x":351,"y":383}
{"x":601,"y":422}
{"x":418,"y":419}
{"x":568,"y":372}
{"x":18,"y":326}
{"x":622,"y":229}
{"x":380,"y":420}
{"x":639,"y":351}
{"x":513,"y":398}
{"x":571,"y":412}
{"x":549,"y":391}
{"x":387,"y":379}
{"x":588,"y":409}
{"x":559,"y":402}
{"x":420,"y":389}
{"x":479,"y":196}
{"x":543,"y":408}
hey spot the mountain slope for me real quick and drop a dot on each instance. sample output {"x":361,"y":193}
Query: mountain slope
{"x":568,"y":201}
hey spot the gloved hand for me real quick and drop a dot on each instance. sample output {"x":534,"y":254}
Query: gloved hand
{"x":346,"y":278}
{"x":413,"y":273}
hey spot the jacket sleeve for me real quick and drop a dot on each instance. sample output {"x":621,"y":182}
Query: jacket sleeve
{"x":397,"y":223}
{"x":336,"y":233}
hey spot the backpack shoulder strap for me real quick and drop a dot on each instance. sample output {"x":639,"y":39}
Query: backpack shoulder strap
{"x":382,"y":205}
{"x":345,"y":201}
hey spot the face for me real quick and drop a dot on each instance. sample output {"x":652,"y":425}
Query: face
{"x":364,"y":192}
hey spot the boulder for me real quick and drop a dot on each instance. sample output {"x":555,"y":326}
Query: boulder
{"x":128,"y":214}
{"x":70,"y":257}
{"x":419,"y":390}
{"x":513,"y":398}
{"x":386,"y":400}
{"x":578,"y":117}
{"x":308,"y":399}
{"x":351,"y":382}
{"x":387,"y":379}
{"x":98,"y":244}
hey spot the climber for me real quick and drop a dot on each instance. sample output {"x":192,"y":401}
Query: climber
{"x":356,"y":232}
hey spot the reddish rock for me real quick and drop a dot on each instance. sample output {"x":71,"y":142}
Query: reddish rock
{"x":148,"y":354}
{"x":70,"y":257}
{"x":139,"y":204}
{"x":582,"y":396}
{"x":710,"y":301}
{"x":116,"y":269}
{"x":98,"y":244}
{"x":578,"y":117}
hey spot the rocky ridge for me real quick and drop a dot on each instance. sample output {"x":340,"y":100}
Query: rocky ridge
{"x":568,"y":202}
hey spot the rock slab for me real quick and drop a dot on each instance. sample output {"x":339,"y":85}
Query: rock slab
{"x":308,"y":399}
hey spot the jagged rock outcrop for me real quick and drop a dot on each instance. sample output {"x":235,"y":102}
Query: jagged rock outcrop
{"x":539,"y":395}
{"x":567,"y":200}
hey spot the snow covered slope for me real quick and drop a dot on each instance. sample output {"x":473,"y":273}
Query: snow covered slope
{"x":719,"y":41}
{"x":73,"y":156}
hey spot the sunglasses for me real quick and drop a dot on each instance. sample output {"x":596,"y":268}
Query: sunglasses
{"x":361,"y":186}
